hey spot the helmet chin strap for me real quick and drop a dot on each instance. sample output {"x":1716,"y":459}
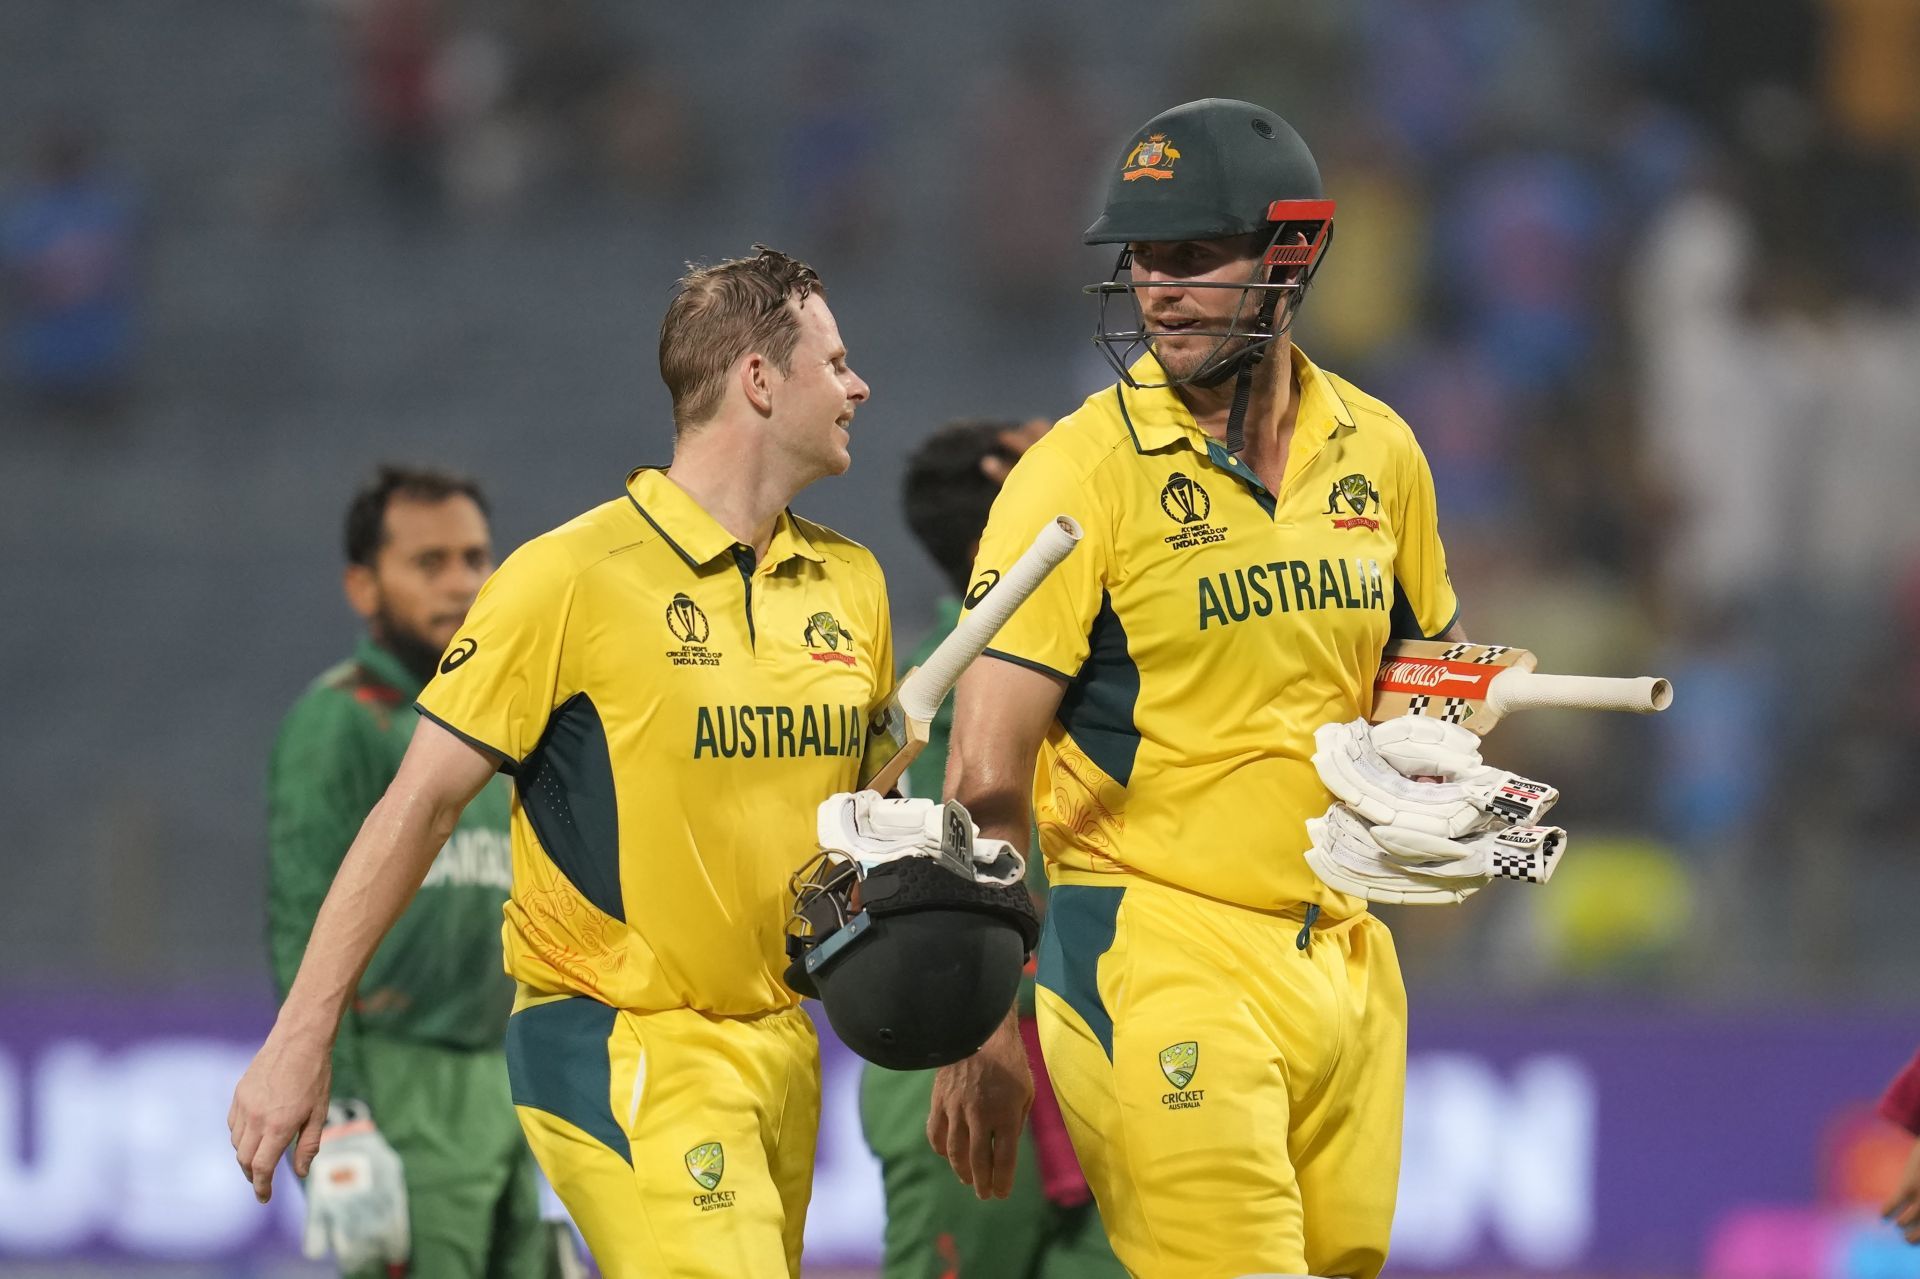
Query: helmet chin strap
{"x":1249,"y":361}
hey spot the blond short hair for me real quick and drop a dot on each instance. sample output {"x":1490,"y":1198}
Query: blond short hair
{"x":722,"y":312}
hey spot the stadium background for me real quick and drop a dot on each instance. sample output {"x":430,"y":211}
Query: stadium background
{"x":1641,"y":273}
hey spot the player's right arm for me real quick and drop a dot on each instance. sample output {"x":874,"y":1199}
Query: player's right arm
{"x":1003,"y":708}
{"x":1005,"y":702}
{"x":323,"y":779}
{"x":1001,"y":714}
{"x":283,"y":1096}
{"x":485,"y":711}
{"x":1006,"y":709}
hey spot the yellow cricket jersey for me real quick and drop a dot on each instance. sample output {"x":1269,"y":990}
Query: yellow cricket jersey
{"x":671,"y":713}
{"x":1206,"y":626}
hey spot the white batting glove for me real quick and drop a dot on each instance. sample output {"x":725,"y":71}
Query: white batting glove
{"x":356,"y":1195}
{"x":1345,"y":857}
{"x":1412,"y":868}
{"x":872,"y":830}
{"x":1420,"y":746}
{"x":1475,"y":797}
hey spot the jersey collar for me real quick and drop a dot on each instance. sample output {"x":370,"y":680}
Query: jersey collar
{"x":1159,"y":419}
{"x":696,"y":535}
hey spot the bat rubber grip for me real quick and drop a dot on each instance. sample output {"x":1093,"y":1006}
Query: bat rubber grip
{"x":922,"y":692}
{"x":1518,"y":690}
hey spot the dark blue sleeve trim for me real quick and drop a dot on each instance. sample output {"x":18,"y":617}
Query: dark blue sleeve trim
{"x":1027,"y":662}
{"x":507,"y":762}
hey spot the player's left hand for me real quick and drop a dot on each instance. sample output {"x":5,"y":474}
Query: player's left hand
{"x":1418,"y":746}
{"x":1372,"y":770}
{"x":979,"y":1110}
{"x":1903,"y":1205}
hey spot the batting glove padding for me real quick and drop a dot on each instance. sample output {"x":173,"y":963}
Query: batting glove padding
{"x":1398,"y":866}
{"x":356,"y":1195}
{"x":873,"y":830}
{"x":1421,"y":746}
{"x":1473,"y":799}
{"x":1527,"y":853}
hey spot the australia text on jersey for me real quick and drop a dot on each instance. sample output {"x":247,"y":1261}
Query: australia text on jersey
{"x":1290,"y":586}
{"x":778,"y":732}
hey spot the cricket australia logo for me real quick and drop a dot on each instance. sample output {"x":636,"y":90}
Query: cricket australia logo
{"x":1180,"y":1063}
{"x":1187,"y":504}
{"x":689,"y":625}
{"x":825,"y":629}
{"x":1357,"y":493}
{"x":1151,"y":157}
{"x":706,"y":1164}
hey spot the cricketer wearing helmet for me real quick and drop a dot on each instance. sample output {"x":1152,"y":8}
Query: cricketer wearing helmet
{"x":673,"y":681}
{"x":1224,"y":1029}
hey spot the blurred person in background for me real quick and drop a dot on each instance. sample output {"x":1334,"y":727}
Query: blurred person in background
{"x":1900,"y":1105}
{"x":69,"y":266}
{"x":834,"y":143}
{"x":1048,"y":1227}
{"x":1023,"y":283}
{"x":664,"y":1073}
{"x":1225,"y":1023}
{"x":396,"y":47}
{"x":421,"y":1160}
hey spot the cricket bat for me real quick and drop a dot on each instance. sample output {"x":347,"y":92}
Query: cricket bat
{"x":1474,"y":685}
{"x":897,"y":729}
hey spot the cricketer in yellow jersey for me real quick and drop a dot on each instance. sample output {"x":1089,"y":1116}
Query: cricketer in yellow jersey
{"x":1225,"y":1032}
{"x":674,"y":681}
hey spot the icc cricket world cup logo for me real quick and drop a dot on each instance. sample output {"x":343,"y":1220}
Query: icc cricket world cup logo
{"x":686,"y":620}
{"x":1184,"y":501}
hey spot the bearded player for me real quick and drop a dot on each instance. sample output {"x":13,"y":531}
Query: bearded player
{"x":1225,"y":1031}
{"x":672,"y":681}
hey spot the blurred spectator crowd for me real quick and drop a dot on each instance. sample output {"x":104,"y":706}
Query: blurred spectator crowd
{"x":1644,"y":275}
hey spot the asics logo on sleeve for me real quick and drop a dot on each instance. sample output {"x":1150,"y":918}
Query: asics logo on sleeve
{"x":457,"y":654}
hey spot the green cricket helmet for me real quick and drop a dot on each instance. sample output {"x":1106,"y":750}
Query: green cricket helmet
{"x":1213,"y":170}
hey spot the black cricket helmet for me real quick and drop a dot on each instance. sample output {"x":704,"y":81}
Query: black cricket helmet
{"x":1213,"y":170}
{"x":916,"y":960}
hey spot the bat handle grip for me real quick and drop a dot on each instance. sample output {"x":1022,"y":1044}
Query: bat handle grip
{"x":922,"y":692}
{"x":1518,"y":690}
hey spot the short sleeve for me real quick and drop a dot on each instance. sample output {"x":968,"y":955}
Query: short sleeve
{"x":882,"y":627}
{"x":1425,"y":607}
{"x":1050,"y":629}
{"x":499,"y":679}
